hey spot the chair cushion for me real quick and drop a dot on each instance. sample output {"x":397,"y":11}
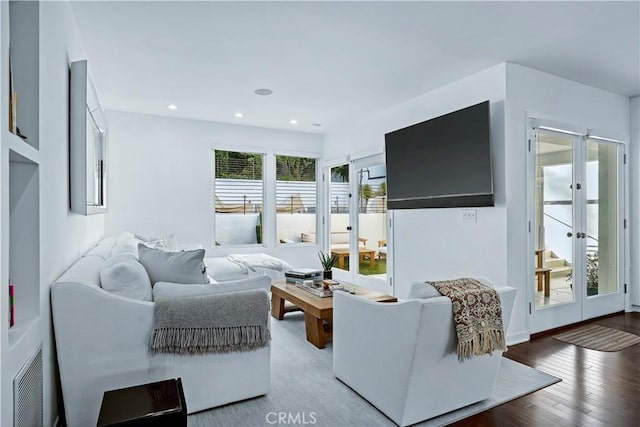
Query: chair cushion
{"x":124,"y":275}
{"x":423,"y":290}
{"x":175,"y":267}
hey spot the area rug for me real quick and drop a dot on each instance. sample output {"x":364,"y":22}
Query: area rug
{"x":305,"y":392}
{"x":601,"y":338}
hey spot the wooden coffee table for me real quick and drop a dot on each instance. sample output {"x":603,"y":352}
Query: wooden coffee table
{"x":343,"y":253}
{"x":318,"y":312}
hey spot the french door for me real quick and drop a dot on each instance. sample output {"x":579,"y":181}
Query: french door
{"x":577,"y":233}
{"x":358,"y":222}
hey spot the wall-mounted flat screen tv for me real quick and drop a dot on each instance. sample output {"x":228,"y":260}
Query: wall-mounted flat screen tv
{"x":441,"y":163}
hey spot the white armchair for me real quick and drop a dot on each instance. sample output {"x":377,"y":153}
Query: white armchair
{"x":402,"y":358}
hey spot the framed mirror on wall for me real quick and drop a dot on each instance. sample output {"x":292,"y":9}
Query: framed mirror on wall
{"x":87,"y":145}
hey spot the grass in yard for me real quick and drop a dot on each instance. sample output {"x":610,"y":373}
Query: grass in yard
{"x":380,"y":266}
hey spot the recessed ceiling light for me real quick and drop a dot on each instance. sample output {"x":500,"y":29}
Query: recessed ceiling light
{"x":293,"y":122}
{"x":263,"y":92}
{"x":317,"y":124}
{"x":238,"y":115}
{"x":172,"y":107}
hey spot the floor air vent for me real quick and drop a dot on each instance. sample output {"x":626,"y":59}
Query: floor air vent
{"x":27,"y":393}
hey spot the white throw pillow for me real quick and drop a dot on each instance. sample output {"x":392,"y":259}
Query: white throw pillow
{"x":123,"y":275}
{"x":126,"y":245}
{"x":166,"y":243}
{"x":176,"y":267}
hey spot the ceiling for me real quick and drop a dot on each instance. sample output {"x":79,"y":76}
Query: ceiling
{"x":332,"y":62}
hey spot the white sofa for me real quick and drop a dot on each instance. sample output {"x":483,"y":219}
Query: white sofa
{"x":102,"y":344}
{"x":402,"y":358}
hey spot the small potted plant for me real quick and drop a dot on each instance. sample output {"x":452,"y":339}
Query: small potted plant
{"x":328,"y":262}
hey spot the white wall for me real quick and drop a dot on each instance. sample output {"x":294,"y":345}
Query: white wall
{"x":634,"y":210}
{"x":541,"y":95}
{"x":433,"y":243}
{"x":65,"y":236}
{"x":161,"y":177}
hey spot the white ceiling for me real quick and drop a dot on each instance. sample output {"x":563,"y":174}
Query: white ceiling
{"x":329,"y":62}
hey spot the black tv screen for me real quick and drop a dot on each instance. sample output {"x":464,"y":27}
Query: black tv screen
{"x":441,"y":163}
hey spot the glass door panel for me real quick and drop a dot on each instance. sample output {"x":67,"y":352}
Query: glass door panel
{"x":372,"y":221}
{"x":603,"y":219}
{"x":554,"y":219}
{"x":339,"y":206}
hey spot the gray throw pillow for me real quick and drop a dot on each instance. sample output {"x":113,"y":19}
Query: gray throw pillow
{"x":423,"y":290}
{"x":176,"y":267}
{"x":124,"y":275}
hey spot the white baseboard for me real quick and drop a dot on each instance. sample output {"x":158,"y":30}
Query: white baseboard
{"x":635,"y":308}
{"x":517,"y":338}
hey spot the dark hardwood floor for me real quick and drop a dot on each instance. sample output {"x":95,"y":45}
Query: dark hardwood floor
{"x":597,"y":389}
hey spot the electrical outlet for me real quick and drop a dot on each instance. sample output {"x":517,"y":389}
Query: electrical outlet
{"x":469,"y":215}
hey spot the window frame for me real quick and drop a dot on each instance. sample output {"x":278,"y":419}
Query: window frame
{"x":319,"y":205}
{"x":269,"y":195}
{"x":246,"y":150}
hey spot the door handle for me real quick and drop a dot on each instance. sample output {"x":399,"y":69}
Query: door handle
{"x":349,"y":228}
{"x":569,"y":234}
{"x":582,"y":235}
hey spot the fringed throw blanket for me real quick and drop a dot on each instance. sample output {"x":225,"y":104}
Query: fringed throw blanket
{"x":477,"y":315}
{"x":222,"y":323}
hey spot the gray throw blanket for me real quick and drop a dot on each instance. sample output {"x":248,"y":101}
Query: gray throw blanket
{"x":221,"y":323}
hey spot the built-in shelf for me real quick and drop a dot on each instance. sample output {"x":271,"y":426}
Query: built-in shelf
{"x":19,"y":192}
{"x":20,"y":151}
{"x":20,"y":329}
{"x":24,"y":39}
{"x":24,"y":237}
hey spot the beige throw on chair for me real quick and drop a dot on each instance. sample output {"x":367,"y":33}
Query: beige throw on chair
{"x":477,"y":315}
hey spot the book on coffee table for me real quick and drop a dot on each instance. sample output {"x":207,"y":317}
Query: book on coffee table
{"x":303,"y":274}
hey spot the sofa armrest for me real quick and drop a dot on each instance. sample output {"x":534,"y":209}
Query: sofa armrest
{"x":101,"y":344}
